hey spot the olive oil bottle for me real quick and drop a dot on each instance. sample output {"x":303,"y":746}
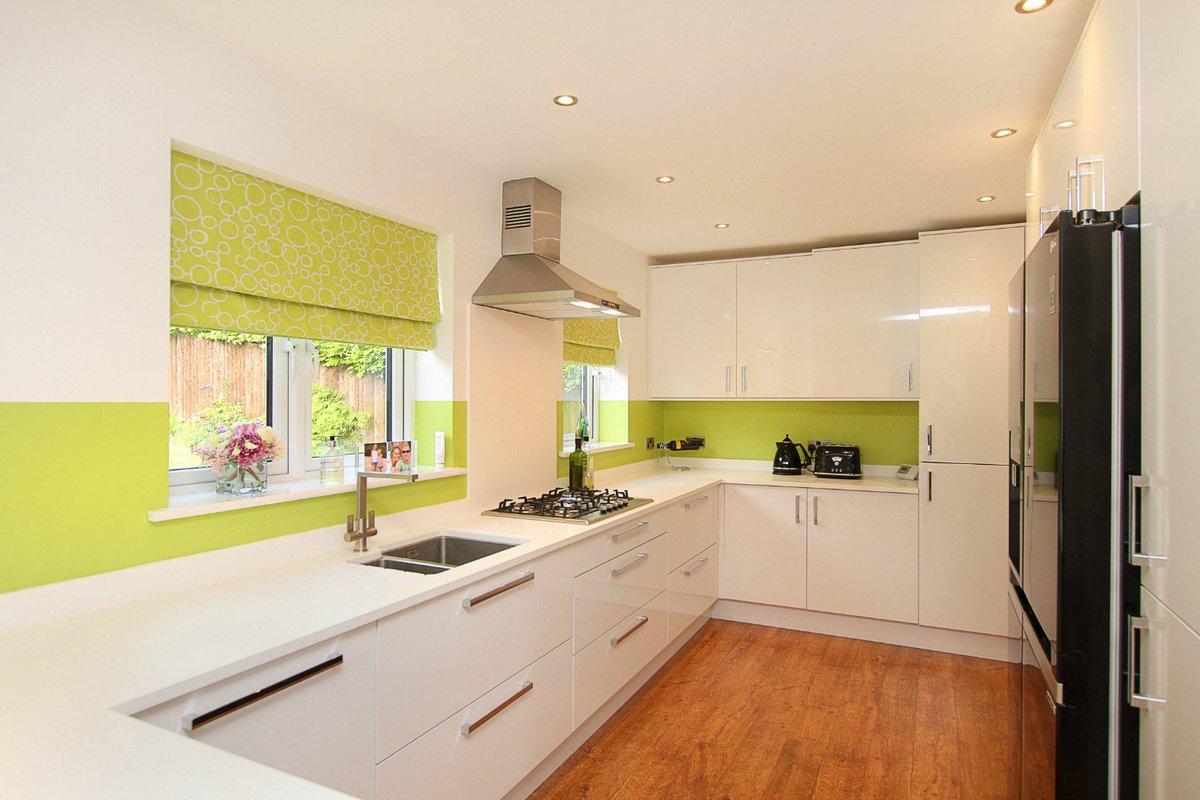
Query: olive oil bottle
{"x":576,"y":466}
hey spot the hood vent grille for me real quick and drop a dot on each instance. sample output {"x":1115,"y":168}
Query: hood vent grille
{"x":518,"y":217}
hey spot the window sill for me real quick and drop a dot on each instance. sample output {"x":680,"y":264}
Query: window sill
{"x":600,"y":447}
{"x":196,"y":504}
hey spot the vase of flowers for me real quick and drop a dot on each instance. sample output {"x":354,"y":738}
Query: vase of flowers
{"x":238,"y":456}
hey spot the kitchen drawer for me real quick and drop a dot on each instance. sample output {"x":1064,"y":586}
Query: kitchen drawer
{"x":517,"y":724}
{"x":608,"y":663}
{"x":618,"y":539}
{"x":692,"y":590}
{"x":612,"y":591}
{"x":317,"y":723}
{"x":439,"y":656}
{"x":693,"y":526}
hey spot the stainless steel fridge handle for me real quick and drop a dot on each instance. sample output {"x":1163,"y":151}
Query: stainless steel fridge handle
{"x":1134,"y":511}
{"x":1133,"y":650}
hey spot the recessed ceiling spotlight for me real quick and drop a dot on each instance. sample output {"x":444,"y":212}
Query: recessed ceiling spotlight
{"x":565,"y":99}
{"x":665,"y":179}
{"x":721,"y":226}
{"x":1003,"y":133}
{"x":1030,"y":194}
{"x":987,"y":198}
{"x":1066,"y":123}
{"x":1030,"y":6}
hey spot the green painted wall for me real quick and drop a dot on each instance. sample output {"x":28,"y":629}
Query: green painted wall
{"x":619,"y":420}
{"x":886,"y":431}
{"x":74,"y":503}
{"x":450,"y":416}
{"x":1045,"y":437}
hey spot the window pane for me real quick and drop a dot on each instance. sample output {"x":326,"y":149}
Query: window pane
{"x":217,"y":379}
{"x":350,"y":397}
{"x":574,"y":399}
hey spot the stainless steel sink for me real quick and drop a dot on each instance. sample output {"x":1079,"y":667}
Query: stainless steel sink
{"x":437,"y":554}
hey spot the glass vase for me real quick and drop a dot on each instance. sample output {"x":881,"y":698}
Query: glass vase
{"x":242,"y":481}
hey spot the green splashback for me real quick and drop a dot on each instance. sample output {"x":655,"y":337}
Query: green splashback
{"x":449,"y":416}
{"x":54,"y":526}
{"x":886,"y":431}
{"x":621,"y":421}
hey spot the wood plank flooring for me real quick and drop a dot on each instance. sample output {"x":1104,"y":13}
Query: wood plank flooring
{"x":746,"y":711}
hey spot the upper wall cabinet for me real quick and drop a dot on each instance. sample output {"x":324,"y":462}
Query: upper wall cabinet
{"x":833,"y":324}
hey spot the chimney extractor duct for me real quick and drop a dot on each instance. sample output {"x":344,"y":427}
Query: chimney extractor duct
{"x":528,"y":278}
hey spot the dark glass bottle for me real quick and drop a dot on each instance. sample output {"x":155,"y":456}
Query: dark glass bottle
{"x":576,"y":466}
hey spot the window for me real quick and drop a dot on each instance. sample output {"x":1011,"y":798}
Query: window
{"x":579,"y":403}
{"x":351,"y":394}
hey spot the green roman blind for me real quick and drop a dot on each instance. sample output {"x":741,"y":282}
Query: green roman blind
{"x":592,"y":342}
{"x":253,"y":256}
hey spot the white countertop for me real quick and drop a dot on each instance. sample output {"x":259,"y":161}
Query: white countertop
{"x":81,"y":655}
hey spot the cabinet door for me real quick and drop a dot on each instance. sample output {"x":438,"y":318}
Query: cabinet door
{"x":1169,"y":664}
{"x":863,"y":323}
{"x":693,"y":590}
{"x":862,"y":554}
{"x":1111,"y":102}
{"x":774,"y":328}
{"x":763,"y":551}
{"x":693,"y":526}
{"x":964,"y":547}
{"x":693,"y":330}
{"x":1058,"y":147}
{"x":615,"y":589}
{"x":610,"y":662}
{"x":964,"y":343}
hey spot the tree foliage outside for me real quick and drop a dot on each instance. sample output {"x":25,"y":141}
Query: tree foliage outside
{"x":333,"y":416}
{"x":361,"y":359}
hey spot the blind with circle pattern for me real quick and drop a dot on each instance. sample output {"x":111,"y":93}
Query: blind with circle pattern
{"x":591,"y":342}
{"x":253,"y":256}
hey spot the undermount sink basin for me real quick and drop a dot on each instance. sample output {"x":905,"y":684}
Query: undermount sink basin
{"x":437,"y":554}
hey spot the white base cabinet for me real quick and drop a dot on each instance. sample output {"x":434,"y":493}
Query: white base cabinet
{"x":862,"y":554}
{"x":486,"y":748}
{"x":610,"y":592}
{"x":608,"y":663}
{"x":322,"y":727}
{"x":691,"y":591}
{"x":693,"y":526}
{"x":763,"y":545}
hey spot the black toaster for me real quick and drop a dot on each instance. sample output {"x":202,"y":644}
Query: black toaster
{"x":837,"y":461}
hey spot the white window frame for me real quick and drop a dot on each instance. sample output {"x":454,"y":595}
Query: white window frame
{"x":590,"y":379}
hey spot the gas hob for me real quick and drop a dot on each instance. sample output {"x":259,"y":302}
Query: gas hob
{"x":581,"y":507}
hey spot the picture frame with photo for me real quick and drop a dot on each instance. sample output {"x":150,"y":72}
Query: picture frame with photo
{"x":375,"y":457}
{"x":402,"y":456}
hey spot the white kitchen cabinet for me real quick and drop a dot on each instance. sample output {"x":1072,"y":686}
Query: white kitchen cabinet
{"x":693,"y":525}
{"x":691,"y":591}
{"x":1168,"y":665}
{"x":608,"y":663}
{"x":763,"y":545}
{"x":619,"y":539}
{"x":775,"y":351}
{"x":964,"y":336}
{"x":862,"y":554}
{"x":863,"y":322}
{"x":609,"y":592}
{"x":1056,"y":151}
{"x":484,"y":749}
{"x":437,"y":657}
{"x":318,"y":722}
{"x":693,"y":330}
{"x":964,"y":547}
{"x":1111,"y":102}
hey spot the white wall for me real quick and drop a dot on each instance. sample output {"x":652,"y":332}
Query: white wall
{"x":94,"y":95}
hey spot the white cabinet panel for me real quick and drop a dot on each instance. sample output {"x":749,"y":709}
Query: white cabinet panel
{"x":774,"y":328}
{"x":1111,"y":102}
{"x":1169,"y":62}
{"x":619,"y":539}
{"x":608,"y":663}
{"x":863,"y":322}
{"x":693,"y":344}
{"x":862,"y":554}
{"x":1057,"y":149}
{"x":1169,"y":664}
{"x":692,"y":591}
{"x":964,"y":343}
{"x":463,"y":652}
{"x":612,"y":591}
{"x":763,"y":549}
{"x":693,"y":526}
{"x":964,"y":547}
{"x":532,"y":716}
{"x":321,"y":728}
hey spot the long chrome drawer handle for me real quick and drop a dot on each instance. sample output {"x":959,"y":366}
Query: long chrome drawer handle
{"x":701,"y":499}
{"x":193,"y":721}
{"x":616,"y":640}
{"x":621,"y":570}
{"x":471,"y":602}
{"x":1133,"y":650}
{"x":469,"y":728}
{"x":687,"y":573}
{"x":616,"y":537}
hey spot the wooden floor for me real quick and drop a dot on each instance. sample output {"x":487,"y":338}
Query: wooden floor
{"x":745,"y":711}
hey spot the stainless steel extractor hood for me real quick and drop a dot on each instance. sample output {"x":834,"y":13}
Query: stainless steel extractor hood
{"x":528,"y":278}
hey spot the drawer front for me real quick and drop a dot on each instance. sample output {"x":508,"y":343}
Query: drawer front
{"x":614,"y":541}
{"x":516,"y":725}
{"x":437,"y":657}
{"x":692,"y":591}
{"x":612,"y":591}
{"x":693,"y":526}
{"x":318,"y":724}
{"x":608,"y":663}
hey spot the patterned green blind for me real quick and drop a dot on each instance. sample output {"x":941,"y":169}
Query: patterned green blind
{"x":592,"y":342}
{"x":253,"y":256}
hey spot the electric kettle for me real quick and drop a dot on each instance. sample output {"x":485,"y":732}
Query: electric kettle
{"x":788,"y":460}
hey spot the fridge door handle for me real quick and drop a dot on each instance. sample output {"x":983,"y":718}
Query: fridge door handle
{"x":1134,"y":510}
{"x":1133,"y":653}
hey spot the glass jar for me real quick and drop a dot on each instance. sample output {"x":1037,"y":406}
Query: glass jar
{"x":242,"y":481}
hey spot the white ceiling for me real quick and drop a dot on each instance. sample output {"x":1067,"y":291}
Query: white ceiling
{"x":798,"y":122}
